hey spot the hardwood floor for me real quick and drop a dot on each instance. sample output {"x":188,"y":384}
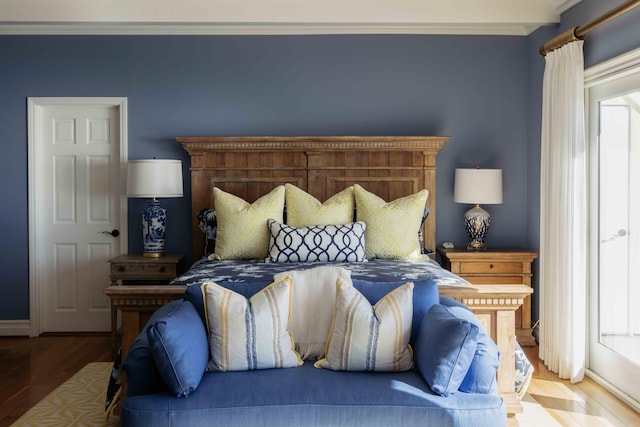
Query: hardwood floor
{"x":30,"y":368}
{"x":582,"y":404}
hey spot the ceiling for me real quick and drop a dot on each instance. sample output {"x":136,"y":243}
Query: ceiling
{"x":496,"y":17}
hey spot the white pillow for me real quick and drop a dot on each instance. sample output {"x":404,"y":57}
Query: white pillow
{"x":247,"y":334}
{"x":314,"y":298}
{"x":365,"y":338}
{"x":327,"y":243}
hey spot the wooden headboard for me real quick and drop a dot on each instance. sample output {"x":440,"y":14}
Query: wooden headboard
{"x":249,"y":167}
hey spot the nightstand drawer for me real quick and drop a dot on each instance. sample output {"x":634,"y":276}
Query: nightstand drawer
{"x":131,"y":268}
{"x":493,"y":280}
{"x":157,"y":270}
{"x":491,"y":267}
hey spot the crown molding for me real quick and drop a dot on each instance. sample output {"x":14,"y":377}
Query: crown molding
{"x":116,"y":28}
{"x":562,"y":6}
{"x":278,"y":17}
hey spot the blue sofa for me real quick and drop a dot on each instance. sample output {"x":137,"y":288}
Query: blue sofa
{"x":453,"y":383}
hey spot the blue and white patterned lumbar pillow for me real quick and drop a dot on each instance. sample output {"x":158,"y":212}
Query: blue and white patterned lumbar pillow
{"x":327,"y":243}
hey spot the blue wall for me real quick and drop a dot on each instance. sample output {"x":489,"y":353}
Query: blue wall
{"x":610,"y":40}
{"x":471,"y":88}
{"x":482,"y":91}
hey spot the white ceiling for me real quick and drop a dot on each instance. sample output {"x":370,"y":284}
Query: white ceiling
{"x":500,"y":17}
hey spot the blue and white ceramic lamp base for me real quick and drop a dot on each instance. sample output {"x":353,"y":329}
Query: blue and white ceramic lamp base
{"x":154,"y":227}
{"x":477,"y":222}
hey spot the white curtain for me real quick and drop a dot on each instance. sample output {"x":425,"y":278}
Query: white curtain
{"x":563,"y":210}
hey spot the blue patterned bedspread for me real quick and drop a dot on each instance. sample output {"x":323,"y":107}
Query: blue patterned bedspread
{"x":376,"y":270}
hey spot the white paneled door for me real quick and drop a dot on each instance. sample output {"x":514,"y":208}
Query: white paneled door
{"x":78,"y":223}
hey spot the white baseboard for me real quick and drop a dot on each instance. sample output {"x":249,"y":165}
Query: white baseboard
{"x":613,"y":389}
{"x":14,"y":328}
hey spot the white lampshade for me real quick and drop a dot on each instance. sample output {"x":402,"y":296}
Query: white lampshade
{"x":154,"y":178}
{"x":478,"y":186}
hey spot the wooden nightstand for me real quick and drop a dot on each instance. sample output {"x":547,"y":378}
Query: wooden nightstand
{"x":496,"y":266}
{"x":135,"y":269}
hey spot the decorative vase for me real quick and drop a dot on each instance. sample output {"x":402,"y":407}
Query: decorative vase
{"x":477,"y":222}
{"x":154,"y":226}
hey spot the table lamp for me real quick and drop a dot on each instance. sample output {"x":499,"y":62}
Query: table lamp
{"x":477,"y":186}
{"x":154,"y":178}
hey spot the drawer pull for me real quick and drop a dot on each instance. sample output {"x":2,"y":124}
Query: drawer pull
{"x":162,"y":269}
{"x":490,"y":265}
{"x":121,"y":268}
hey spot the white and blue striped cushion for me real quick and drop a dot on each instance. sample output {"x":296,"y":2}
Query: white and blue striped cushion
{"x":366,"y":338}
{"x":247,"y":334}
{"x":316,"y":243}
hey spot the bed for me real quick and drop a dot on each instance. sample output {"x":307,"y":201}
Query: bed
{"x":390,"y":167}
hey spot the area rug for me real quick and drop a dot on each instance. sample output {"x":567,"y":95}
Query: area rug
{"x":77,"y":402}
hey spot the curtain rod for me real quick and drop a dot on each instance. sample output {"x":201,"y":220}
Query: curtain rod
{"x":578,"y":33}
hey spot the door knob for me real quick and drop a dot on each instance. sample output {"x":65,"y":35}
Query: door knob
{"x":114,"y":232}
{"x":621,"y":233}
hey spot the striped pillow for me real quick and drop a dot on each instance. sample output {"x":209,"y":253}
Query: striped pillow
{"x":247,"y":334}
{"x":366,"y":338}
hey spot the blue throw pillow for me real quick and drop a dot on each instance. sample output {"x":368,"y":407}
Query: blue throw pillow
{"x":444,"y":349}
{"x":425,"y":294}
{"x":180,"y":349}
{"x":142,"y":374}
{"x":481,"y":377}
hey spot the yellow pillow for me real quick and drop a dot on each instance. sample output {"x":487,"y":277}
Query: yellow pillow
{"x":392,"y":228}
{"x":304,"y":210}
{"x":242,"y":227}
{"x":366,"y":338}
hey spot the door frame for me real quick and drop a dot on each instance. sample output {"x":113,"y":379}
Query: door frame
{"x":35,"y":106}
{"x":612,"y":69}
